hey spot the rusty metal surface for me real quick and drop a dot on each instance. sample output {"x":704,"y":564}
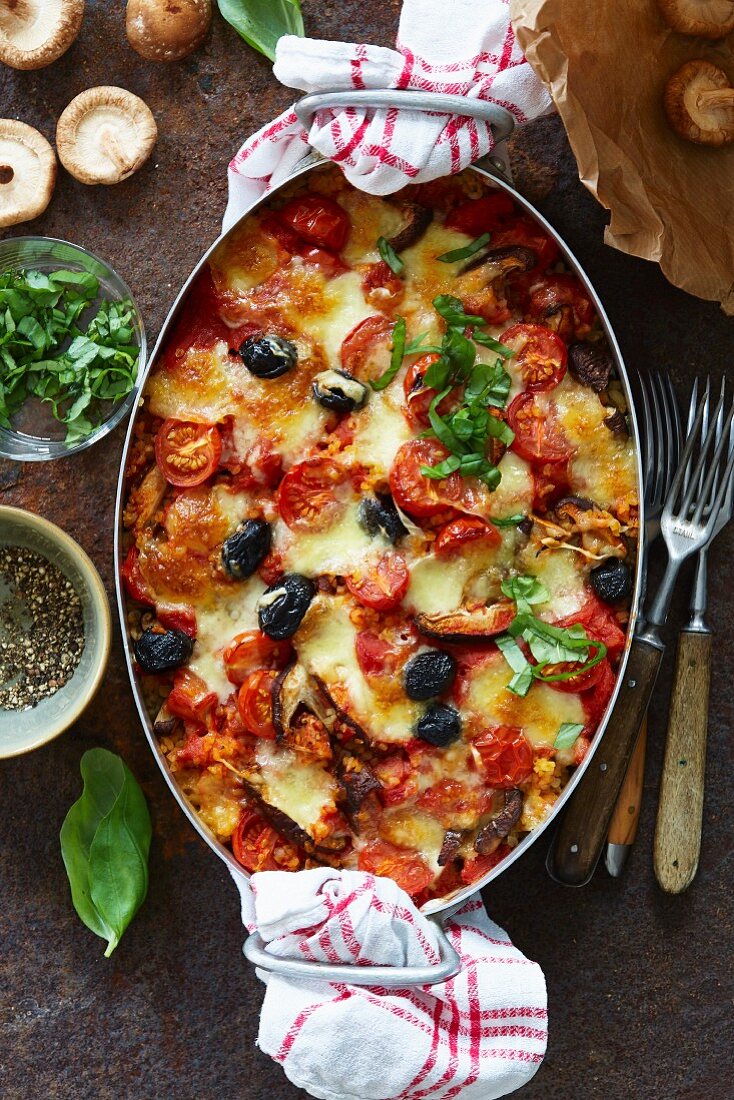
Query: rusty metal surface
{"x":640,"y":985}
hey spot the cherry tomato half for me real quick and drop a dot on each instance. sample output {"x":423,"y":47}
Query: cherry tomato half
{"x":419,"y":397}
{"x":465,"y":531}
{"x":307,"y":495}
{"x":506,"y":756}
{"x":483,"y":215}
{"x":595,"y":702}
{"x":318,"y":220}
{"x":419,"y":495}
{"x":526,"y":233}
{"x":583,"y":681}
{"x":386,"y":652}
{"x":187,"y":453}
{"x":132,"y":578}
{"x":258,"y":847}
{"x":253,"y":650}
{"x":381,"y":286}
{"x":600,"y":623}
{"x":365,"y":351}
{"x":381,"y":586}
{"x":177,"y":618}
{"x":540,"y":355}
{"x":560,"y":300}
{"x":190,"y":698}
{"x":255,"y":703}
{"x":404,"y":866}
{"x":478,"y":866}
{"x":538,"y":436}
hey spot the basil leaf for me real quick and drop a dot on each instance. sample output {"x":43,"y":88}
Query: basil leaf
{"x":508,"y":521}
{"x":494,"y":345}
{"x":396,"y":358}
{"x":453,"y":313}
{"x":467,"y":251}
{"x":567,"y":735}
{"x":442,"y":469}
{"x":526,"y":588}
{"x":390,"y":256}
{"x":105,"y":839}
{"x":501,"y":430}
{"x":521,"y":682}
{"x":262,"y":22}
{"x":441,"y":428}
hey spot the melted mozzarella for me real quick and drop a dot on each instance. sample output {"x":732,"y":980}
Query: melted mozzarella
{"x":560,"y":573}
{"x":299,"y":789}
{"x":438,"y":585}
{"x":603,"y":466}
{"x":409,"y":828}
{"x":539,"y":715}
{"x":217,"y":626}
{"x":344,"y":306}
{"x":339,"y":550}
{"x":199,"y":387}
{"x":380,"y":431}
{"x":514,"y":494}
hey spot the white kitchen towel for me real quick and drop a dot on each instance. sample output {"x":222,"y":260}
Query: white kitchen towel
{"x":461,"y":47}
{"x":477,"y":1036}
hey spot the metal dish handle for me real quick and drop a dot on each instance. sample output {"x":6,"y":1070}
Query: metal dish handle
{"x":388,"y":977}
{"x":500,"y":119}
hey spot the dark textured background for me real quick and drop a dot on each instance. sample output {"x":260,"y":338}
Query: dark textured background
{"x":640,"y":985}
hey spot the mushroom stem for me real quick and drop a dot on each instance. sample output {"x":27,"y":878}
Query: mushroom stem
{"x":111,"y":147}
{"x":718,"y":97}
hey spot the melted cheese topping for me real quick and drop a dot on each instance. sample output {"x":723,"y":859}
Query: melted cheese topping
{"x":304,"y":791}
{"x":340,"y":550}
{"x":217,"y":625}
{"x":380,"y":431}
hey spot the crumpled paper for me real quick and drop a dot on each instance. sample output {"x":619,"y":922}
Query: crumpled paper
{"x":606,"y":65}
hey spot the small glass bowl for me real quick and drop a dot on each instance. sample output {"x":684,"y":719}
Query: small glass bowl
{"x":37,"y":436}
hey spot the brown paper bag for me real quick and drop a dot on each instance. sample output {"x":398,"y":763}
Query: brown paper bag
{"x":606,"y":65}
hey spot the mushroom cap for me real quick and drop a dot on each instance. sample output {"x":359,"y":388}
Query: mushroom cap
{"x":105,"y":134}
{"x":33,"y":33}
{"x":699,"y":103}
{"x":27,"y":172}
{"x":167,"y":30}
{"x":703,"y":18}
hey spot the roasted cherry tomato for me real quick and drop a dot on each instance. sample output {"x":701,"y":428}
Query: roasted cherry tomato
{"x":365,"y":351}
{"x":253,"y":650}
{"x":540,"y":355}
{"x":381,"y":286}
{"x":255,"y":703}
{"x":397,"y":778}
{"x":384,"y":653}
{"x":538,"y":436}
{"x":419,"y":495}
{"x":478,"y":866}
{"x":133,"y":579}
{"x":583,"y":681}
{"x":483,"y":215}
{"x":465,"y":531}
{"x":506,"y":756}
{"x":177,"y":618}
{"x":381,"y":586}
{"x":551,"y":482}
{"x":560,"y":301}
{"x":595,"y":702}
{"x":329,"y":262}
{"x":526,"y":233}
{"x":418,"y":397}
{"x":258,"y":847}
{"x":307,"y":495}
{"x":187,"y":453}
{"x":318,"y":220}
{"x":403,"y":865}
{"x":449,"y":798}
{"x":190,"y":697}
{"x":600,"y":623}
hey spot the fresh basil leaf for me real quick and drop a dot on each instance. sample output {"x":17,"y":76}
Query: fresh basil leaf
{"x":396,"y":357}
{"x":105,"y":839}
{"x":494,"y":345}
{"x":441,"y":428}
{"x":442,"y":469}
{"x":453,"y":313}
{"x":438,"y":375}
{"x":262,"y":22}
{"x":521,"y":682}
{"x":567,"y":735}
{"x":390,"y":256}
{"x":467,"y":251}
{"x":525,"y":587}
{"x":501,"y":430}
{"x":509,"y":521}
{"x":489,"y":384}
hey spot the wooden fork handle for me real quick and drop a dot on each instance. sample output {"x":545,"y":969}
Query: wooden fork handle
{"x":680,"y":809}
{"x":626,"y":816}
{"x":583,"y":829}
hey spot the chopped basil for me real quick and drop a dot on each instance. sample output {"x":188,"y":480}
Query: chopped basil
{"x":525,"y":588}
{"x":521,"y":682}
{"x":509,"y":521}
{"x":465,"y":252}
{"x":567,"y":735}
{"x":416,"y":345}
{"x":390,"y":256}
{"x":396,"y":357}
{"x":492,"y":344}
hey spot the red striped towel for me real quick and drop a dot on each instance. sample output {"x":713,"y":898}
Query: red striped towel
{"x":477,"y":1036}
{"x":462,"y":47}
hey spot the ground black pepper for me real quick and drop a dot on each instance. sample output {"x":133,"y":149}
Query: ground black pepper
{"x":41,"y":628}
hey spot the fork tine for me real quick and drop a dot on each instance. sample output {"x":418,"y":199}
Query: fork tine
{"x":657,"y":429}
{"x":673,"y":402}
{"x":670,"y":459}
{"x":725,"y":482}
{"x":709,"y":492}
{"x":689,"y":425}
{"x":685,"y":459}
{"x":649,"y":457}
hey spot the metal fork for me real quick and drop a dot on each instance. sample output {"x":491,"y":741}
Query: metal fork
{"x":687,"y":523}
{"x":677,"y":843}
{"x":660,"y":453}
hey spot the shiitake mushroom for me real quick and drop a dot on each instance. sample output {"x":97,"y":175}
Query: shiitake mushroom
{"x":379,"y":516}
{"x":339,"y":390}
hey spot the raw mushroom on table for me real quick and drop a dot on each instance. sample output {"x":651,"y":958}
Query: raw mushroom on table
{"x":105,"y":134}
{"x":160,"y":31}
{"x":701,"y":18}
{"x":699,"y":103}
{"x":33,"y":33}
{"x":27,"y":172}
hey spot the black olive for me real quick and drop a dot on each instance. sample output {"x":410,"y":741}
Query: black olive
{"x":612,"y":580}
{"x":243,"y":551}
{"x":440,"y":725}
{"x":282,"y":606}
{"x":159,"y":652}
{"x":268,"y":356}
{"x":429,"y":674}
{"x":379,"y":516}
{"x":339,"y":390}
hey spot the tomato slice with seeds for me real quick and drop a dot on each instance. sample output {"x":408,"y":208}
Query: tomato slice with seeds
{"x":538,"y":436}
{"x":318,"y":220}
{"x":403,"y":865}
{"x":365,"y":351}
{"x":466,"y":531}
{"x":307,"y":495}
{"x":540,"y":355}
{"x":419,"y":397}
{"x":252,"y":650}
{"x":187,"y":453}
{"x":258,"y":847}
{"x":190,"y":698}
{"x":381,"y":586}
{"x":423,"y":496}
{"x":506,"y":756}
{"x":255,"y":703}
